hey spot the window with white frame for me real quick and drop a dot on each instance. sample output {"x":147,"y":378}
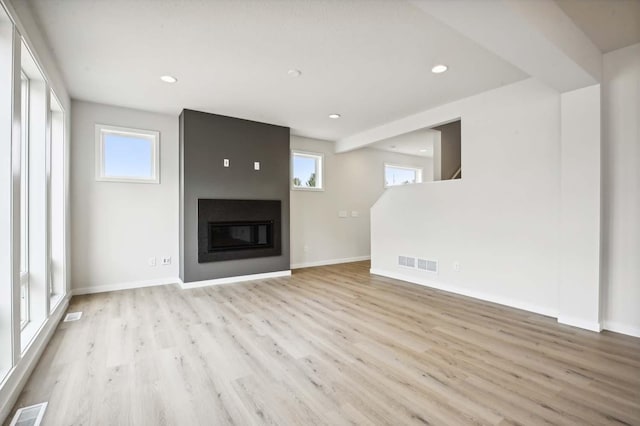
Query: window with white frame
{"x":127,"y":155}
{"x":24,"y":201}
{"x":306,"y":170}
{"x":401,"y":175}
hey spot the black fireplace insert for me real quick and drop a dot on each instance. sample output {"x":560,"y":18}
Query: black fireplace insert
{"x":238,"y":229}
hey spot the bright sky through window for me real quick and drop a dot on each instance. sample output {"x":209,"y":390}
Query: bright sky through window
{"x":303,"y":168}
{"x":127,"y":156}
{"x":400,"y":175}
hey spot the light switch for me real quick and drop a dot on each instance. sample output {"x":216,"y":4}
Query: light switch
{"x":354,"y":213}
{"x":343,"y":213}
{"x":256,"y":165}
{"x":226,"y":162}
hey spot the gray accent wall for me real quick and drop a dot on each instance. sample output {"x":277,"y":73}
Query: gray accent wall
{"x":205,"y":141}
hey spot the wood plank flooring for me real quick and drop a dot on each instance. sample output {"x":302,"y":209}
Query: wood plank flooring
{"x":329,"y":345}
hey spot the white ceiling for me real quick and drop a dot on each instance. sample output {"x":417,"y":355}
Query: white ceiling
{"x":610,"y":24}
{"x":367,"y":60}
{"x":409,"y":143}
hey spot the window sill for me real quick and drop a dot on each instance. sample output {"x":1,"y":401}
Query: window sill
{"x":54,"y":301}
{"x":29,"y":332}
{"x":295,"y":188}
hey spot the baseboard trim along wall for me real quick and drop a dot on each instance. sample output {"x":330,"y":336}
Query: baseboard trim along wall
{"x":580,"y":323}
{"x":621,"y":328}
{"x":329,"y":262}
{"x":17,"y":378}
{"x":542,"y":310}
{"x":124,"y":286}
{"x":231,"y":280}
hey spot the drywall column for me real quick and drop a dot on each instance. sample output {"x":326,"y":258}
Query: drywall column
{"x":579,"y":289}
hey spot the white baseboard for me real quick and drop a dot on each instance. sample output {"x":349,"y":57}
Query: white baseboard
{"x":542,"y":310}
{"x":619,"y":327}
{"x":124,"y":286}
{"x":329,"y":262}
{"x":16,"y":379}
{"x":580,"y":323}
{"x":230,"y":280}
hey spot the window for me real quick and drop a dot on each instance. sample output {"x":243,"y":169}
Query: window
{"x":127,"y":155}
{"x":306,"y":171}
{"x":24,"y":201}
{"x":401,"y":175}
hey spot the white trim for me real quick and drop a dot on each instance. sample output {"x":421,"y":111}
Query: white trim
{"x":619,"y":327}
{"x":152,"y":135}
{"x":580,"y":323}
{"x":542,"y":310}
{"x":124,"y":286}
{"x":319,"y":158}
{"x":231,"y":280}
{"x":329,"y":262}
{"x":18,"y":376}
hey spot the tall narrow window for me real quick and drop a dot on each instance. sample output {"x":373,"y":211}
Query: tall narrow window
{"x":306,"y":171}
{"x":24,"y":202}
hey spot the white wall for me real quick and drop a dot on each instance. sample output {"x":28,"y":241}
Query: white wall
{"x":501,"y":220}
{"x":579,"y":283}
{"x":621,"y":190}
{"x":116,"y":227}
{"x":353,"y":182}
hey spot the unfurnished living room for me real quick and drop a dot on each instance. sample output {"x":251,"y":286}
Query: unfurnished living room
{"x":319,"y":212}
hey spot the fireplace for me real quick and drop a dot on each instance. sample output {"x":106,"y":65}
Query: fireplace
{"x":238,"y":229}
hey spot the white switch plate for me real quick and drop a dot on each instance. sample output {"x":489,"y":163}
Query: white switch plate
{"x":256,"y":165}
{"x":355,"y":213}
{"x":343,"y":213}
{"x":152,"y":261}
{"x":166,"y":260}
{"x":226,"y":162}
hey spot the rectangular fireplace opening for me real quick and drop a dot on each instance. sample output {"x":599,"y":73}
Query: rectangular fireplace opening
{"x":225,"y":236}
{"x":238,"y":229}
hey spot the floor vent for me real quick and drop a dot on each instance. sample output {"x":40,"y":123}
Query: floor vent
{"x":408,"y":262}
{"x":73,"y":316}
{"x":29,"y":416}
{"x":428,"y":265}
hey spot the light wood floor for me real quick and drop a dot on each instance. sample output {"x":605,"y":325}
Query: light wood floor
{"x":330,"y":345}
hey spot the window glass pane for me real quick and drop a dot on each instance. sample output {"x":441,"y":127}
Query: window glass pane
{"x":127,"y":156}
{"x":304,"y":171}
{"x":400,"y":176}
{"x":24,"y":201}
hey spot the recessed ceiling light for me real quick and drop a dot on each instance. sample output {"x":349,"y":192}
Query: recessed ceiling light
{"x":439,"y":69}
{"x":423,"y":150}
{"x":168,"y":79}
{"x":392,"y":147}
{"x":334,"y":116}
{"x":294,"y":73}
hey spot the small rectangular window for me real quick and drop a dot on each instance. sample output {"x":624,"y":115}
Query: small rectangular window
{"x":306,"y":171}
{"x":401,"y":175}
{"x":127,"y":155}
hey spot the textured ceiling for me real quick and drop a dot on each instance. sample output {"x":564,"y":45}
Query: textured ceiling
{"x":367,"y":60}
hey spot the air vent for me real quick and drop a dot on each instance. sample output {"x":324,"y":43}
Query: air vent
{"x":407,"y":262}
{"x":428,"y":265}
{"x":73,"y":316}
{"x":29,"y":416}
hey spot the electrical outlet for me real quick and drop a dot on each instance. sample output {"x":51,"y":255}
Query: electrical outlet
{"x":166,"y":260}
{"x":226,"y":162}
{"x":306,"y":248}
{"x":256,"y":165}
{"x":152,"y":261}
{"x":343,"y":214}
{"x":355,"y":213}
{"x":456,"y":266}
